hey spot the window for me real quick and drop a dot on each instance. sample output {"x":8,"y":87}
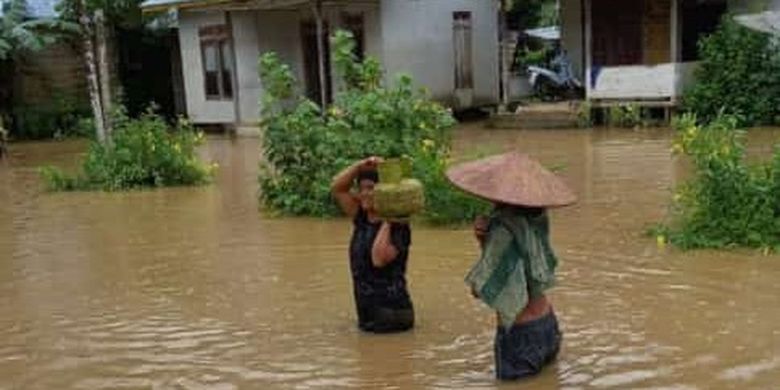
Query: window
{"x":217,"y":53}
{"x":464,"y":74}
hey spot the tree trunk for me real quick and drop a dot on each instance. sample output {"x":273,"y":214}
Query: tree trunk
{"x":104,"y":70}
{"x":93,"y":79}
{"x":321,"y":54}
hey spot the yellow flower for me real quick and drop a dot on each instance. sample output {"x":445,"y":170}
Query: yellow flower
{"x":335,"y":111}
{"x":660,"y":241}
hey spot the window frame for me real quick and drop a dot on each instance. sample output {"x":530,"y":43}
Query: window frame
{"x":217,"y":38}
{"x":463,"y":22}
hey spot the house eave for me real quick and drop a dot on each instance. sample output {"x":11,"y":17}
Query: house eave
{"x":164,"y":6}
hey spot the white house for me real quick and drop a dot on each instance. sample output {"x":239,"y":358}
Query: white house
{"x":641,"y":51}
{"x":448,"y":46}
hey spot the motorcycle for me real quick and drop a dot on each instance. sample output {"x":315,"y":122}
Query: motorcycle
{"x":557,"y":82}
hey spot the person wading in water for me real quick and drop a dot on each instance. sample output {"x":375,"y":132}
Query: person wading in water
{"x":517,"y":264}
{"x":378,"y":253}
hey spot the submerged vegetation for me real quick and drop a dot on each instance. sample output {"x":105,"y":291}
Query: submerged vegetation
{"x":729,"y":202}
{"x":304,"y":146}
{"x":143,"y":152}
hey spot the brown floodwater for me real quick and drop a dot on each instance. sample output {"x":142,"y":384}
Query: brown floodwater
{"x":192,"y":288}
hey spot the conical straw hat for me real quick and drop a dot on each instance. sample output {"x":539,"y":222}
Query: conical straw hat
{"x":514,"y":179}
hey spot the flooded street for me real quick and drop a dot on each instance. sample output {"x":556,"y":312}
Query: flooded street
{"x":192,"y":288}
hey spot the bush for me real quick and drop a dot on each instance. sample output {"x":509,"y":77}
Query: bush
{"x":729,"y":203}
{"x":625,"y":115}
{"x":63,"y":117}
{"x":143,"y":152}
{"x":739,"y":74}
{"x":305,"y":147}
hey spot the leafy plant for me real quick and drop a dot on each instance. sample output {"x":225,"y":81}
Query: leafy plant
{"x":624,"y":115}
{"x":304,"y":146}
{"x":61,"y":117}
{"x":527,"y":57}
{"x":729,"y":203}
{"x":585,"y":114}
{"x":145,"y":152}
{"x":18,"y":33}
{"x":739,"y":75}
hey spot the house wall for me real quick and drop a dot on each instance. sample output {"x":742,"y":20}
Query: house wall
{"x":656,"y":32}
{"x":246,"y":43}
{"x":199,"y":109}
{"x":280,"y":32}
{"x":418,"y":40}
{"x":572,"y":37}
{"x":54,"y":72}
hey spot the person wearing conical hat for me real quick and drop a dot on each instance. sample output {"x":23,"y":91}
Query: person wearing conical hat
{"x":517,"y":264}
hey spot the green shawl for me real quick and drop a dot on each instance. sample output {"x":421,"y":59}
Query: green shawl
{"x":517,"y":262}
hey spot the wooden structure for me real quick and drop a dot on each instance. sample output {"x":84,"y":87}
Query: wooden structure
{"x":640,"y":51}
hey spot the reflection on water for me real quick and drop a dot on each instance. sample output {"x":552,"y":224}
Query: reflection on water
{"x":190,"y":288}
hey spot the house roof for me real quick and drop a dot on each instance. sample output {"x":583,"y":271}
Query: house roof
{"x":550,"y":33}
{"x":768,"y":22}
{"x":165,"y":5}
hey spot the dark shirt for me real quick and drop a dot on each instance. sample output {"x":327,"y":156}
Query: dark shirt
{"x":378,"y":287}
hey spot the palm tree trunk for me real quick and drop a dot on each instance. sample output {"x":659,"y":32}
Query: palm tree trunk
{"x":93,"y":79}
{"x":104,"y":70}
{"x":318,"y":16}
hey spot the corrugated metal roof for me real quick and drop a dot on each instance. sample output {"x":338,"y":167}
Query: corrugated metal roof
{"x":550,"y":33}
{"x":159,"y":3}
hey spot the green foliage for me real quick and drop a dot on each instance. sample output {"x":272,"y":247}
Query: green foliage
{"x":144,"y":152}
{"x":61,"y":117}
{"x":585,"y":114}
{"x":739,"y":75}
{"x":624,"y":115}
{"x":124,"y":13}
{"x":728,"y":203}
{"x":304,"y":147}
{"x":523,"y":14}
{"x":18,"y":33}
{"x":527,"y":57}
{"x":549,"y":14}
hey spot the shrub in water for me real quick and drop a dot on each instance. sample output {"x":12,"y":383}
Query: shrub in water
{"x":143,"y":152}
{"x":728,"y":203}
{"x":739,"y":74}
{"x":303,"y":147}
{"x":625,"y":115}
